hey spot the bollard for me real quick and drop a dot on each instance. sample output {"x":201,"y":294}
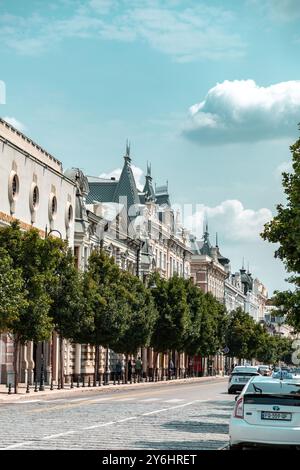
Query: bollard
{"x":27,"y":387}
{"x":9,"y":389}
{"x":51,"y":384}
{"x":114,"y":378}
{"x":134,"y":378}
{"x":72,"y":385}
{"x":83,"y":383}
{"x":36,"y":387}
{"x":100,"y":379}
{"x":58,"y":384}
{"x":78,"y":384}
{"x":89,"y":382}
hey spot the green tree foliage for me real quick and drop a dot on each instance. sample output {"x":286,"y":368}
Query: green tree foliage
{"x":12,"y":293}
{"x":142,"y":316}
{"x":173,"y":321}
{"x":240,"y":333}
{"x":284,"y":229}
{"x":27,"y":256}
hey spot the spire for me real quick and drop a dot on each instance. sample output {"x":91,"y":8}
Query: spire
{"x":243,"y":266}
{"x":206,"y":247}
{"x":217,"y":240}
{"x":127,"y":157}
{"x":148,"y":175}
{"x":148,"y":188}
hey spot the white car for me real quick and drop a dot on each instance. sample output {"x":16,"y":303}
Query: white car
{"x":266,"y":413}
{"x":239,"y":377}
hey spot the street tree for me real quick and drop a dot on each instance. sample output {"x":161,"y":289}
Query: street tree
{"x":239,"y":332}
{"x":141,"y":319}
{"x":284,"y":229}
{"x":106,"y":305}
{"x":173,"y":321}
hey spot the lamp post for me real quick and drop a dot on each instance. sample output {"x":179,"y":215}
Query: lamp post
{"x":106,"y":382}
{"x":41,"y":387}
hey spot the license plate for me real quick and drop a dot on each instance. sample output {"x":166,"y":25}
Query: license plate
{"x":276,"y":416}
{"x":244,"y":379}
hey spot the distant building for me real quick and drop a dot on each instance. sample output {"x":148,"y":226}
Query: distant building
{"x":209,"y":268}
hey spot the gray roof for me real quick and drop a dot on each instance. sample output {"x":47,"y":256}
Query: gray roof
{"x":101,"y":191}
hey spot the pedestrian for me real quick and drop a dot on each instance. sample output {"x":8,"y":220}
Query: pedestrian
{"x":171,"y":368}
{"x":138,"y":367}
{"x":118,"y":370}
{"x":129,"y":370}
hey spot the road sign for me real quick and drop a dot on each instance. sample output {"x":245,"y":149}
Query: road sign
{"x":226,"y":350}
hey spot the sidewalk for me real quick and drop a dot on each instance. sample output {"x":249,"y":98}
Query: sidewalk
{"x":70,"y":392}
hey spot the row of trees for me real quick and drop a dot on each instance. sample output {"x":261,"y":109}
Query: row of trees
{"x":42,"y":292}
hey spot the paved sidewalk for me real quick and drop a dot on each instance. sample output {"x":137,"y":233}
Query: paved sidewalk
{"x":68,"y":392}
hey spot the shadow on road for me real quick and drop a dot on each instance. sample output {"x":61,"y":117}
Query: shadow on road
{"x":181,"y":445}
{"x":203,"y":427}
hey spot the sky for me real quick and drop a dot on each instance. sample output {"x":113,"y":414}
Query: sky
{"x":207,"y":91}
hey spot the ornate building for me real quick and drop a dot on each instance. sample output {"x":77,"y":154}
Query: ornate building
{"x":34,"y":191}
{"x":149,"y":226}
{"x":209,"y":268}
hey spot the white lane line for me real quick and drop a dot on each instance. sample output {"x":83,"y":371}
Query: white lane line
{"x":26,"y":401}
{"x":149,"y":399}
{"x":174,"y":400}
{"x":125,"y":399}
{"x":102,"y":424}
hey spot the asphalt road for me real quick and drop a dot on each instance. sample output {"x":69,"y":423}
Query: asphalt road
{"x":169,"y":417}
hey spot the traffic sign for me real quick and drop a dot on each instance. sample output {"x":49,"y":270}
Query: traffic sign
{"x":226,"y":350}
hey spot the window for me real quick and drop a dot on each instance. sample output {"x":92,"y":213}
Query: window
{"x":53,"y":205}
{"x":35,"y":197}
{"x":70,"y":213}
{"x":15,"y":186}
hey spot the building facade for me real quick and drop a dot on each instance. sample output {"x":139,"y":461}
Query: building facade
{"x":35,"y":192}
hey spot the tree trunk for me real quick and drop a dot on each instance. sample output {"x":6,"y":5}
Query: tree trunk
{"x":16,"y":363}
{"x":96,"y":363}
{"x":61,"y":360}
{"x":126,"y":368}
{"x":155,"y":363}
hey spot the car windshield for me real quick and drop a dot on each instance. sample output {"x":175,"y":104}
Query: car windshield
{"x":250,"y":374}
{"x":244,"y":370}
{"x":274,"y":387}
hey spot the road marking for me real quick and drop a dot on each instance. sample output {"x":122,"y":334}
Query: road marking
{"x":25,"y":402}
{"x":149,"y":399}
{"x":171,"y":408}
{"x":174,"y":400}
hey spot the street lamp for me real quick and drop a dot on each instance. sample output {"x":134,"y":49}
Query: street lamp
{"x":42,"y":388}
{"x":106,"y":367}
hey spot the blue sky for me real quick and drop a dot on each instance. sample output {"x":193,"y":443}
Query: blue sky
{"x":209,"y":92}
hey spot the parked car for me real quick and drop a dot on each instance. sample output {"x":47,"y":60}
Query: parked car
{"x":239,"y":377}
{"x":267,"y":413}
{"x":264,"y":369}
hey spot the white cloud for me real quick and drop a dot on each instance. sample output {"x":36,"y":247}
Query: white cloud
{"x":230,"y":219}
{"x":185,"y":32}
{"x":15,"y":123}
{"x":137,"y":173}
{"x":240,"y":110}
